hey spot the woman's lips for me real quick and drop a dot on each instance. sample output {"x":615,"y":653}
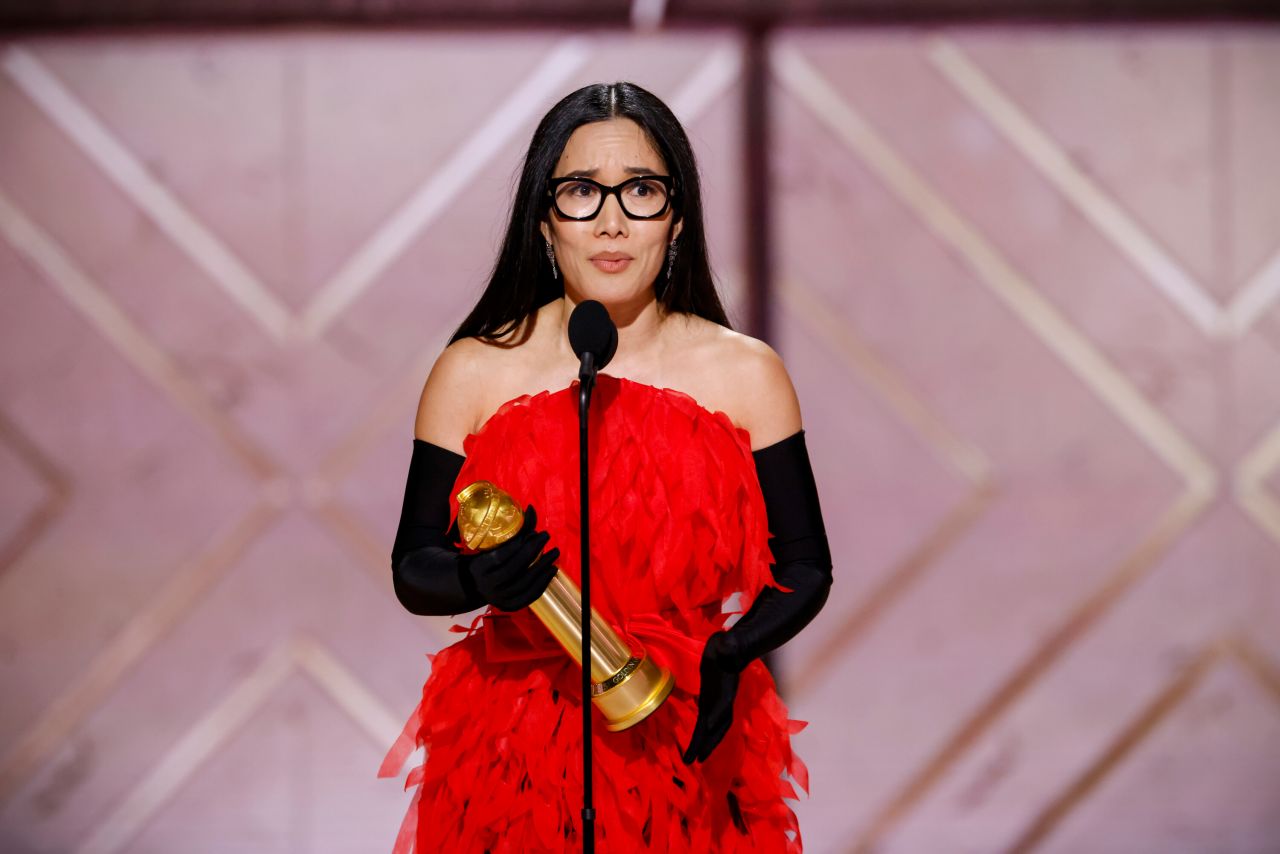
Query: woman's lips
{"x":611,"y":266}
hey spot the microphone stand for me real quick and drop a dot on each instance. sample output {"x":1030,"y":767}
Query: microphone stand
{"x":586,"y":382}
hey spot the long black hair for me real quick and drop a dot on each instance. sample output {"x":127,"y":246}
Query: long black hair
{"x":522,"y":279}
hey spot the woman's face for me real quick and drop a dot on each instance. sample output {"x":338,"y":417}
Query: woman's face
{"x":610,"y":152}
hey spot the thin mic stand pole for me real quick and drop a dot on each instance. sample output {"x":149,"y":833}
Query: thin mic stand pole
{"x":586,"y":380}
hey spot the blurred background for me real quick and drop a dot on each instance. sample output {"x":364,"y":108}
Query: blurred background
{"x":1022,"y":261}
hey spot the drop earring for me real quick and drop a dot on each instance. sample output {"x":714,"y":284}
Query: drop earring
{"x":551,"y":256}
{"x":671,"y":258}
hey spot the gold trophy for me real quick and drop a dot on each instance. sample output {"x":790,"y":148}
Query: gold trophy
{"x":626,"y":688}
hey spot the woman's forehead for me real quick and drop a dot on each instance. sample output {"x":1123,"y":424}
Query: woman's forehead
{"x":615,"y":144}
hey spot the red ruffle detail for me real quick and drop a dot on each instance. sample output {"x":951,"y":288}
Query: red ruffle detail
{"x":678,"y":524}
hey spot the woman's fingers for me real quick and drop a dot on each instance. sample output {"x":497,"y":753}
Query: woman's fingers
{"x":695,"y":743}
{"x":515,"y":553}
{"x":715,"y":715}
{"x":522,"y":588}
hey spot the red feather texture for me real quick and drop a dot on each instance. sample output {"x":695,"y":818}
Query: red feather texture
{"x":678,"y":524}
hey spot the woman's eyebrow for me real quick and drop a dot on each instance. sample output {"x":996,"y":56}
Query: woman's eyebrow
{"x":591,"y":173}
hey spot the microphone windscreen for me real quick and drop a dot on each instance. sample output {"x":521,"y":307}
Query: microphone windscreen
{"x":591,"y":330}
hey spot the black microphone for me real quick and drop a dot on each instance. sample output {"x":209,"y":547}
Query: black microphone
{"x":593,"y":337}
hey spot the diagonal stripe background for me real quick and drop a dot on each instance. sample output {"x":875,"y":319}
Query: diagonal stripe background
{"x":1028,"y":286}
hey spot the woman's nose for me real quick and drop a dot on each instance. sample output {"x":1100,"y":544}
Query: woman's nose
{"x":611,"y":220}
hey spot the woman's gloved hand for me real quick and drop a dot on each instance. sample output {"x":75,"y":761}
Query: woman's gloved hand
{"x":802,"y":573}
{"x":719,"y":671}
{"x":516,"y":573}
{"x":432,"y":576}
{"x":773,"y":619}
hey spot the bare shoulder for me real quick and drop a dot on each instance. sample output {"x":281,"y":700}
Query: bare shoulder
{"x":472,"y":377}
{"x":755,"y":389}
{"x":449,"y":403}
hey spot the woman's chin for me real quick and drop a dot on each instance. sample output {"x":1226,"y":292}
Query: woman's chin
{"x":612,"y":292}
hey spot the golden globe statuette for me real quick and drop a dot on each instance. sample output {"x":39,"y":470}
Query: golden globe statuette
{"x":626,"y":688}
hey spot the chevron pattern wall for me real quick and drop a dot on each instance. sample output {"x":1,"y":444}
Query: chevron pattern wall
{"x":1029,"y":290}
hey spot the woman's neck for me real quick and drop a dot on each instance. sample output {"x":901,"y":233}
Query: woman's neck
{"x":638,"y":332}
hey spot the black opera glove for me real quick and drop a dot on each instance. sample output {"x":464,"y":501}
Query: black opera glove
{"x":516,"y":573}
{"x":431,"y":575}
{"x":802,"y":565}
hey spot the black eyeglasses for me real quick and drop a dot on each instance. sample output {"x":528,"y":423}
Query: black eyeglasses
{"x":643,"y":197}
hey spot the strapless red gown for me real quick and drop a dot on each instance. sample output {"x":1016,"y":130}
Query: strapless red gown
{"x":678,"y":524}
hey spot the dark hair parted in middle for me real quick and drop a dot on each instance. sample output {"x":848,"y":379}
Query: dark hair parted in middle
{"x":522,"y":280}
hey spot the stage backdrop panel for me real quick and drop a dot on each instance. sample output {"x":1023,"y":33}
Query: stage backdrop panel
{"x":1030,"y":293}
{"x":1027,"y":284}
{"x":229,"y":261}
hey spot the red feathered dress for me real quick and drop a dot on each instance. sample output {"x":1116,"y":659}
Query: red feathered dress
{"x":677,"y":525}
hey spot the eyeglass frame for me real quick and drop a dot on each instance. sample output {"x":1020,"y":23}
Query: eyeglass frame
{"x":666,"y":181}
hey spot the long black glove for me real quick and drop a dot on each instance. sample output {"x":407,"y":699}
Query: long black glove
{"x":802,"y":565}
{"x":430,"y":574}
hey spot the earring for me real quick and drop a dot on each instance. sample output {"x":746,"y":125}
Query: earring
{"x":671,"y":258}
{"x":551,"y":256}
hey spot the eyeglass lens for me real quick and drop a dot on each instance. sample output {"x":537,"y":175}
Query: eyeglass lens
{"x":639,"y":198}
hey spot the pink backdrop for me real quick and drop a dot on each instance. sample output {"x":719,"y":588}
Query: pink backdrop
{"x":1029,"y":290}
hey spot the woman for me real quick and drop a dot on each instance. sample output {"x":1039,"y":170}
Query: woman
{"x":697,"y":458}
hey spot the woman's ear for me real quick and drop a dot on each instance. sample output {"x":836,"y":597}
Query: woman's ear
{"x":675,"y":229}
{"x":545,"y":228}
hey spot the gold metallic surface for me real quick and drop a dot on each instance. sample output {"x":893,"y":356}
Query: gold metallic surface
{"x":617,"y":678}
{"x":560,"y":610}
{"x":625,"y":688}
{"x":638,"y":694}
{"x":487,"y":516}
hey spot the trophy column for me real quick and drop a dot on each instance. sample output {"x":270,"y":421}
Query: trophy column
{"x":625,"y":687}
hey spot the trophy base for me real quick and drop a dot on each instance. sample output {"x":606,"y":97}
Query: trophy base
{"x":635,"y":697}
